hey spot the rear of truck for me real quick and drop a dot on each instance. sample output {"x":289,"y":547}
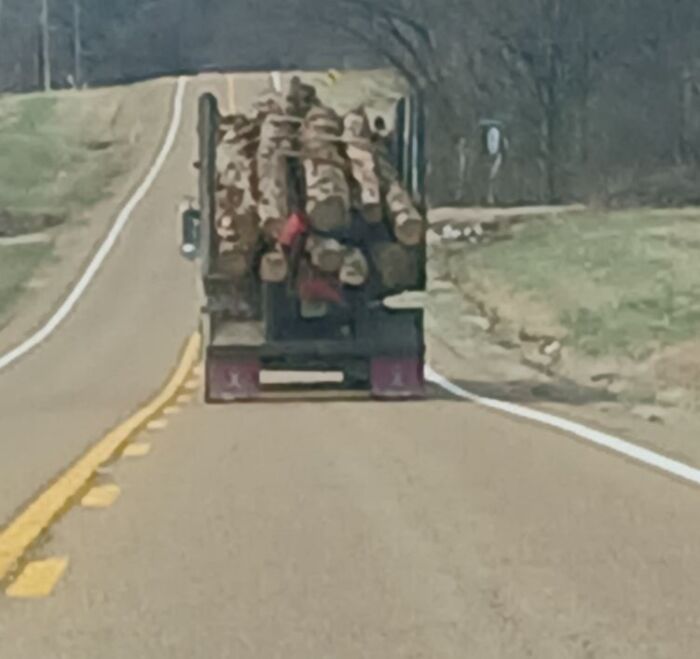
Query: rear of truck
{"x":305,"y":291}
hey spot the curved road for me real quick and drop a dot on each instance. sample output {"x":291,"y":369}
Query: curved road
{"x":322,"y":528}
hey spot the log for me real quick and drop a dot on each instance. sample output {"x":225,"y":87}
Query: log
{"x":408,"y":224}
{"x":355,"y":268}
{"x":327,"y":196}
{"x":301,"y":98}
{"x":242,"y":228}
{"x":276,"y":137}
{"x":238,"y":128}
{"x":327,"y":189}
{"x":268,"y":103}
{"x":237,"y":213}
{"x":326,"y":254}
{"x":234,"y":259}
{"x":397,"y":265}
{"x":360,"y":151}
{"x":274,"y":267}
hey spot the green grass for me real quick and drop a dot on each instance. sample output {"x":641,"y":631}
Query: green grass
{"x":47,"y":166}
{"x":17,"y":265}
{"x":46,"y":163}
{"x":620,"y":283}
{"x":63,"y":152}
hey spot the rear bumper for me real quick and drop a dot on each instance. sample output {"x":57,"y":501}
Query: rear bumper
{"x":389,"y":378}
{"x":391,"y":353}
{"x":387,"y":333}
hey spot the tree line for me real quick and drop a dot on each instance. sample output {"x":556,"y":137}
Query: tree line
{"x":599,"y":99}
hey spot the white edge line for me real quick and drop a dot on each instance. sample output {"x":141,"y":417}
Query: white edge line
{"x":276,"y":78}
{"x":106,"y":247}
{"x":620,"y":446}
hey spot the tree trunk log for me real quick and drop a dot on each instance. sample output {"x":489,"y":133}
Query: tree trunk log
{"x":234,"y":259}
{"x":396,"y":264}
{"x":276,"y":136}
{"x":355,"y":269}
{"x":237,"y":214}
{"x":273,"y":267}
{"x":360,"y":151}
{"x":327,"y":189}
{"x":326,"y":254}
{"x":407,"y":222}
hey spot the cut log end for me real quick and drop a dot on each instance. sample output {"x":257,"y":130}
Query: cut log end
{"x":396,"y":264}
{"x":234,"y":261}
{"x":373,"y":213}
{"x":326,"y":254}
{"x":329,"y":214}
{"x":274,"y":268}
{"x":355,"y":269}
{"x":410,"y":231}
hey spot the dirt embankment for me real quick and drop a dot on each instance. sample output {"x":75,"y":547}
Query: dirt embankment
{"x":598,"y":312}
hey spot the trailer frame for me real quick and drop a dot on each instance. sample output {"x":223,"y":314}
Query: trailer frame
{"x":376,"y":348}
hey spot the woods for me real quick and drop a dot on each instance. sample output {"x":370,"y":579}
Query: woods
{"x":600,"y":100}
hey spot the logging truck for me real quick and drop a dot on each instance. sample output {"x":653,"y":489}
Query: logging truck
{"x":306,"y":224}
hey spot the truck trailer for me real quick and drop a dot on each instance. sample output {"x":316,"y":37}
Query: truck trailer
{"x":287,"y":308}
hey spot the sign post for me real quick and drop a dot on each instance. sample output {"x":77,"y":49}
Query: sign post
{"x":494,"y":146}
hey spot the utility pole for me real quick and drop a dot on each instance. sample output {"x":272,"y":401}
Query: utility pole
{"x":45,"y":44}
{"x":77,"y":45}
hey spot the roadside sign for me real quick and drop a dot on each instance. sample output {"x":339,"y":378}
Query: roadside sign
{"x":493,"y":141}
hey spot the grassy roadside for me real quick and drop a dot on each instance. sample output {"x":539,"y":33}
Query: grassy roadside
{"x":619,"y":291}
{"x":621,"y":283}
{"x":60,"y":154}
{"x":16,"y":267}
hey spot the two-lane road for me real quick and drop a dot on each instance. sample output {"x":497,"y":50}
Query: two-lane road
{"x":122,"y":339}
{"x":321,"y":528}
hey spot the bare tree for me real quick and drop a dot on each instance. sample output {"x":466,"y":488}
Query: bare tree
{"x":44,"y":21}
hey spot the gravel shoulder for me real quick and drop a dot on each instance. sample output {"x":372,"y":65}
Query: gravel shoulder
{"x":591,"y":315}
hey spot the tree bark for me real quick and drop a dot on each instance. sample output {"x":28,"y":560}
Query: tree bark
{"x":396,"y":264}
{"x":327,"y":189}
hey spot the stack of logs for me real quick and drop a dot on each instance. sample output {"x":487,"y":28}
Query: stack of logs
{"x":345,"y":180}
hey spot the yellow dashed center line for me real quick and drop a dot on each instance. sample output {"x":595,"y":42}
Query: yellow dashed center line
{"x":157,"y":424}
{"x":38,"y":579}
{"x":170,"y":411}
{"x":138,"y":450}
{"x":101,"y":496}
{"x":26,"y":528}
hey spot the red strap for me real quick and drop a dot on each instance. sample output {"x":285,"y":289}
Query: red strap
{"x":319,"y":289}
{"x":295,"y":225}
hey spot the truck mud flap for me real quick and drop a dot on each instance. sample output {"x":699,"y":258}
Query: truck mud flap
{"x":228,"y":380}
{"x":397,"y":378}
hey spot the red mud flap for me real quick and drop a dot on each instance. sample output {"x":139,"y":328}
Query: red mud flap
{"x":400,"y":378}
{"x":228,"y":380}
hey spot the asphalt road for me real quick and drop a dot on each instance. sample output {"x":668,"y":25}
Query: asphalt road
{"x":320,"y":528}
